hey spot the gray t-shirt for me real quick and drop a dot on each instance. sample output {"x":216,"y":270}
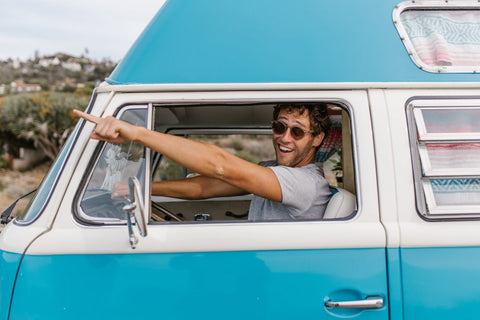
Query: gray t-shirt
{"x":305,"y":194}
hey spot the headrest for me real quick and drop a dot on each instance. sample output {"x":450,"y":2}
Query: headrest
{"x":342,"y":204}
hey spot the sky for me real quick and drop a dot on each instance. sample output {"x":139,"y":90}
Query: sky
{"x":98,"y":29}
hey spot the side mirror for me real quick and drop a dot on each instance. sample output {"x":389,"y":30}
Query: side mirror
{"x":135,"y":211}
{"x":5,"y":217}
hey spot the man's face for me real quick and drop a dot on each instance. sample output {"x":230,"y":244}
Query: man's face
{"x":291,"y":152}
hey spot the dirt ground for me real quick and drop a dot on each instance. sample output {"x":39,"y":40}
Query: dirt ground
{"x":14,"y":184}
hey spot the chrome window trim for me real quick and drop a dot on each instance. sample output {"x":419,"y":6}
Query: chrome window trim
{"x":342,"y":103}
{"x":431,"y":5}
{"x":423,"y":173}
{"x":148,"y":166}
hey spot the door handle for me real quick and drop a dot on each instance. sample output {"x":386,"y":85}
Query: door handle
{"x":368,"y":303}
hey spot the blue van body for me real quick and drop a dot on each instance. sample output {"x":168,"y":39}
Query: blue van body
{"x":212,"y":46}
{"x":267,"y":41}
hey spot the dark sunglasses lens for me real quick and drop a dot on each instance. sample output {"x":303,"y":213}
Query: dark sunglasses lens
{"x":278,"y":127}
{"x":297,"y":133}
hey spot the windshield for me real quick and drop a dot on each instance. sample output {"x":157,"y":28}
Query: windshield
{"x":45,"y":189}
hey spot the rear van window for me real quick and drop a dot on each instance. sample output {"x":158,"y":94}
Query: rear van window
{"x":445,"y":145}
{"x":441,"y":37}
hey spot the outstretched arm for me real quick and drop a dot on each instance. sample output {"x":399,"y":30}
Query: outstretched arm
{"x":207,"y":160}
{"x":196,"y":188}
{"x":200,"y":187}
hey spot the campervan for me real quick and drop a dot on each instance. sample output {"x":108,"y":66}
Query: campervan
{"x":400,"y":238}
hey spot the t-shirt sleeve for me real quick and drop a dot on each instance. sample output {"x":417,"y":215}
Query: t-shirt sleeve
{"x":301,"y":188}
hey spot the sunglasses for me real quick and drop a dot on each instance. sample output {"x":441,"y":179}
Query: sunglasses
{"x":297,"y":133}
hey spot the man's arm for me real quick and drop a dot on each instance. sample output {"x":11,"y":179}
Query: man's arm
{"x":196,"y":188}
{"x":207,"y":160}
{"x":199,"y":187}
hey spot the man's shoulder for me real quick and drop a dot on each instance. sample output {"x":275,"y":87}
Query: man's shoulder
{"x":312,"y":167}
{"x":310,"y":171}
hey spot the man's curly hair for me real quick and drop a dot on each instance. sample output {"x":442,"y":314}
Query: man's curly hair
{"x":319,"y":119}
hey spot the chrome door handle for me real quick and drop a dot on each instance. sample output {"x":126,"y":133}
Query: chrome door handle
{"x":369,"y":303}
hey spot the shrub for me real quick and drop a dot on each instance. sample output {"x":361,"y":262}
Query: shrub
{"x":11,"y":113}
{"x":170,"y":170}
{"x":247,"y":156}
{"x":42,"y":119}
{"x":237,"y":145}
{"x":3,"y":165}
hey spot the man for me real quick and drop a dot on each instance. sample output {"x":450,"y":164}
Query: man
{"x":292,"y":187}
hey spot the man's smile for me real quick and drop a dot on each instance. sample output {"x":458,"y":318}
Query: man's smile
{"x":284,"y":149}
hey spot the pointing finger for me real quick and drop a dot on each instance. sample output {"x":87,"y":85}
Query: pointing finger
{"x":87,"y":116}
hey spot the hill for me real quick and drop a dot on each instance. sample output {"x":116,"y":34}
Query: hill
{"x":59,"y":72}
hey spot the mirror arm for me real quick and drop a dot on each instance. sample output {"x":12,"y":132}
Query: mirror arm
{"x":5,"y":217}
{"x":131,"y":236}
{"x":135,"y":211}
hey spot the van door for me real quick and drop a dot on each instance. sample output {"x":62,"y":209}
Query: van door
{"x":85,"y":267}
{"x":437,"y":179}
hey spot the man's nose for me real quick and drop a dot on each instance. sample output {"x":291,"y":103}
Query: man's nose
{"x":287,"y":135}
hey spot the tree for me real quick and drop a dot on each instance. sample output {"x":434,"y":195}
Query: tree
{"x":12,"y":142}
{"x":43,"y":119}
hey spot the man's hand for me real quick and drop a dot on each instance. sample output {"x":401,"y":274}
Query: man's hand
{"x":110,"y":129}
{"x":120,"y":191}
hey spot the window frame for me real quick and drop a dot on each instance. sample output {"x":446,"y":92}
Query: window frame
{"x":87,"y":220}
{"x":423,"y":172}
{"x":260,"y":129}
{"x":79,"y":214}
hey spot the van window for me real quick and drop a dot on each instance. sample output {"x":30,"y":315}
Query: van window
{"x":443,"y":37}
{"x":244,"y":131}
{"x":44,"y":191}
{"x":446,"y":149}
{"x":115,"y":164}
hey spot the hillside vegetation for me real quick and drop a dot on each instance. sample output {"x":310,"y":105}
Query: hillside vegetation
{"x":36,"y":101}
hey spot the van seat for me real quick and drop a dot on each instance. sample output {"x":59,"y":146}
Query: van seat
{"x":341,"y":204}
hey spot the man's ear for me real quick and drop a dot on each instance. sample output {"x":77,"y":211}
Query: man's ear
{"x":317,"y":140}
